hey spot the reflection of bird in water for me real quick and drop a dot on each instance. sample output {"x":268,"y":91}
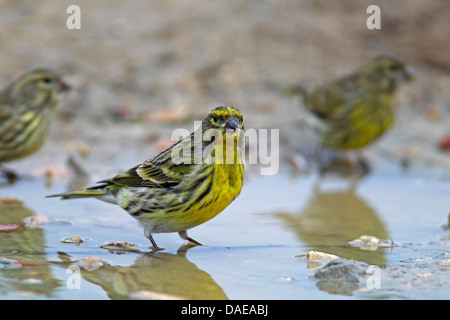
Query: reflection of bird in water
{"x":331,"y":219}
{"x":162,"y":274}
{"x":353,"y":112}
{"x":27,"y":246}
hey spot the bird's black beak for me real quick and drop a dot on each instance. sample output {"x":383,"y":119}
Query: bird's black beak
{"x":231,"y":124}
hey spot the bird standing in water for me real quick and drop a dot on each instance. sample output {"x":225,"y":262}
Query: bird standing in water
{"x":181,"y":188}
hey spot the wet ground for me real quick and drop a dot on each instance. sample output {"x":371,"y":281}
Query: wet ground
{"x":259,"y":243}
{"x":140,"y":69}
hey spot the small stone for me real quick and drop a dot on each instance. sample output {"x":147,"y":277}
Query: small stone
{"x":424,"y":275}
{"x":317,"y":259}
{"x":36,"y":221}
{"x":75,"y":239}
{"x":370,"y":243}
{"x":119,"y":246}
{"x":90,"y":263}
{"x":6,"y":263}
{"x":341,"y":276}
{"x":9,"y":227}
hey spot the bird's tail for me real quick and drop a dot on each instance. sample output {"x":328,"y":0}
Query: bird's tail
{"x":294,"y":90}
{"x":289,"y":90}
{"x":100,"y":191}
{"x":298,"y":92}
{"x":79,"y":194}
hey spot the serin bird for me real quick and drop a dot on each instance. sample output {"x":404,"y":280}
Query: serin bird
{"x":185,"y":185}
{"x":356,"y":110}
{"x":26,"y":108}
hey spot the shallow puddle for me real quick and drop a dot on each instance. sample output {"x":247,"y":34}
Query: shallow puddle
{"x":253,"y":250}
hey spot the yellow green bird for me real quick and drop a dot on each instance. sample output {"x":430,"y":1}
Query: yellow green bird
{"x":356,"y":110}
{"x":185,"y":185}
{"x":26,"y":108}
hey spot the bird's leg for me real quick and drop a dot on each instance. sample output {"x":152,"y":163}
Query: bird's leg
{"x":155,"y":246}
{"x":183,"y":234}
{"x":363,"y":169}
{"x":364,"y":165}
{"x":148,"y":234}
{"x":335,"y":162}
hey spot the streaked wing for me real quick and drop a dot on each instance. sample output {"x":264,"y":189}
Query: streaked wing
{"x":332,"y":102}
{"x":159,"y":172}
{"x":5,"y":114}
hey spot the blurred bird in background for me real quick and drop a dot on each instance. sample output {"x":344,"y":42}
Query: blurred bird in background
{"x":26,"y":108}
{"x":354,"y":111}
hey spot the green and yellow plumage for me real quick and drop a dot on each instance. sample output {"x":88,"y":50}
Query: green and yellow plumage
{"x":26,"y":108}
{"x":176,"y":191}
{"x":354,"y":111}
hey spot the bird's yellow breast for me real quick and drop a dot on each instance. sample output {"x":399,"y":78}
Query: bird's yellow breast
{"x":223,"y":185}
{"x":202,"y":194}
{"x":226,"y":186}
{"x":365,"y":123}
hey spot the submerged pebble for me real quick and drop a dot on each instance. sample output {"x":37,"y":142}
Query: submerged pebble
{"x":9,"y":227}
{"x":36,"y":221}
{"x":6,"y":263}
{"x":90,"y":263}
{"x":371,"y":243}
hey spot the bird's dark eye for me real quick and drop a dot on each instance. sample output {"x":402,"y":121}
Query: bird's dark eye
{"x":47,"y":80}
{"x":215,"y":119}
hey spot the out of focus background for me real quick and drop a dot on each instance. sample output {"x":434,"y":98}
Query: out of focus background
{"x":140,"y":69}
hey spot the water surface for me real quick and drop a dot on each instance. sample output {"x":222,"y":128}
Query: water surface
{"x":253,"y":250}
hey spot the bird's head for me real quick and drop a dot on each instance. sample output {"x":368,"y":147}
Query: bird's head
{"x":388,"y":73}
{"x":223,"y":136}
{"x":38,"y":88}
{"x":228,"y":120}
